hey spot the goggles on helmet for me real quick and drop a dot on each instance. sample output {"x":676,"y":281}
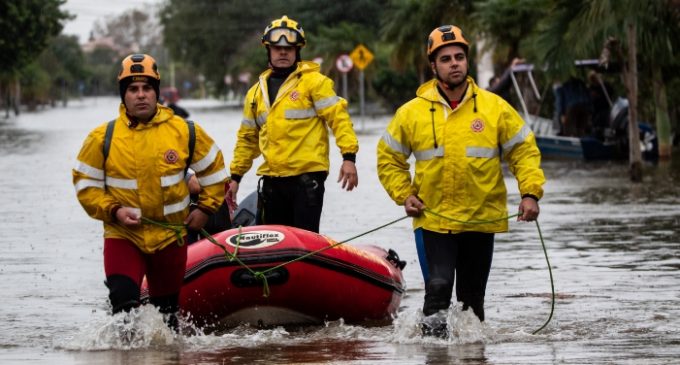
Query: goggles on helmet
{"x":283,"y":37}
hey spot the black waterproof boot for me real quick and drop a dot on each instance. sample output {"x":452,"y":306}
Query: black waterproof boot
{"x":123,"y":293}
{"x":169,"y":306}
{"x":437,"y":301}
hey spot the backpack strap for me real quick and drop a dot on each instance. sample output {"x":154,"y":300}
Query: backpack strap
{"x":107,"y":138}
{"x":192,"y":143}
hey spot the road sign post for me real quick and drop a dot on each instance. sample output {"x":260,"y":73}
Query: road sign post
{"x":362,"y":57}
{"x":344,"y":64}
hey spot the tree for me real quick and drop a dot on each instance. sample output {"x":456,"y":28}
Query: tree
{"x":407,"y":24}
{"x":226,"y":40}
{"x":25,"y":29}
{"x":207,"y":36}
{"x":660,"y":38}
{"x":505,"y":24}
{"x":649,"y":28}
{"x":35,"y":85}
{"x":133,"y":31}
{"x":65,"y":64}
{"x":103,"y":64}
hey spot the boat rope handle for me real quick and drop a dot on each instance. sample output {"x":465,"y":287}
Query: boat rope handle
{"x":261,"y":275}
{"x":178,"y":227}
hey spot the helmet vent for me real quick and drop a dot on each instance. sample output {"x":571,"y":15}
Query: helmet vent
{"x":448,"y":36}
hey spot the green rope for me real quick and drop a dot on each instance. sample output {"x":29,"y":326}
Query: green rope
{"x":238,"y":240}
{"x":545,"y":252}
{"x":176,"y":227}
{"x":233,"y":257}
{"x":312,"y":253}
{"x":552,"y":284}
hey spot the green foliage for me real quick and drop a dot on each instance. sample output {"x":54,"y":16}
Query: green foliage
{"x":576,"y":29}
{"x":102,"y":67}
{"x":207,"y":35}
{"x":35,"y":85}
{"x":394,"y":87}
{"x":63,"y":59}
{"x":25,"y":29}
{"x":407,"y":24}
{"x":505,"y":24}
{"x":314,"y":14}
{"x":54,"y":74}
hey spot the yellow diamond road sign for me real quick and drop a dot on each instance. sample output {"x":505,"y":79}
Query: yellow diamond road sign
{"x":361,"y":56}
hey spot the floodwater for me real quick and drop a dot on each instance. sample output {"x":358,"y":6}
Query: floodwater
{"x":613,"y":245}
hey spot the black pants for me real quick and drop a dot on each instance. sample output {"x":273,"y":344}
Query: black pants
{"x":294,"y":201}
{"x":442,"y":256}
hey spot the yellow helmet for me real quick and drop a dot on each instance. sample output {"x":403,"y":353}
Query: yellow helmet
{"x":443,"y":36}
{"x":284,"y":32}
{"x":138,"y":67}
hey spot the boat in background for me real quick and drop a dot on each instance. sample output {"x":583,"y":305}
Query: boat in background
{"x":310,"y":279}
{"x":612,"y":145}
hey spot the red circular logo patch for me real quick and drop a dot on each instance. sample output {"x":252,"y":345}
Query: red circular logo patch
{"x":171,"y":156}
{"x":477,"y":125}
{"x":294,"y":95}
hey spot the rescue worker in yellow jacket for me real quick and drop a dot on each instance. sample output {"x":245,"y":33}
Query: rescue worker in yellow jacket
{"x":133,"y":168}
{"x":286,"y":119}
{"x":458,"y":134}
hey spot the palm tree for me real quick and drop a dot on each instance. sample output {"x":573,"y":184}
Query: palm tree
{"x":505,"y":24}
{"x":407,"y":23}
{"x":661,"y":39}
{"x":572,"y":28}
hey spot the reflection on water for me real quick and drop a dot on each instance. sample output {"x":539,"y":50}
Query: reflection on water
{"x":17,"y":140}
{"x":613,"y":246}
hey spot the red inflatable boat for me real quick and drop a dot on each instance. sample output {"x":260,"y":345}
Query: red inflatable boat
{"x":360,"y":284}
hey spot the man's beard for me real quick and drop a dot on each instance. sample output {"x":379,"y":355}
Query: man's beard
{"x":452,"y":85}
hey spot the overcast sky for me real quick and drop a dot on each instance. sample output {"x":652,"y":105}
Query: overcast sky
{"x":89,"y":11}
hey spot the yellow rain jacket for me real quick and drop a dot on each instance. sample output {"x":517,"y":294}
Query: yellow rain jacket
{"x":291,"y":132}
{"x":145,"y":170}
{"x":458,"y":153}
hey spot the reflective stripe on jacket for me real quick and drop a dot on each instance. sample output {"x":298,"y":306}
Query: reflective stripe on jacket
{"x":145,"y":170}
{"x":291,"y":132}
{"x":461,"y":176}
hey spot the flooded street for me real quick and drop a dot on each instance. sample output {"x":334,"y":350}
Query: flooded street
{"x":614,"y":247}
